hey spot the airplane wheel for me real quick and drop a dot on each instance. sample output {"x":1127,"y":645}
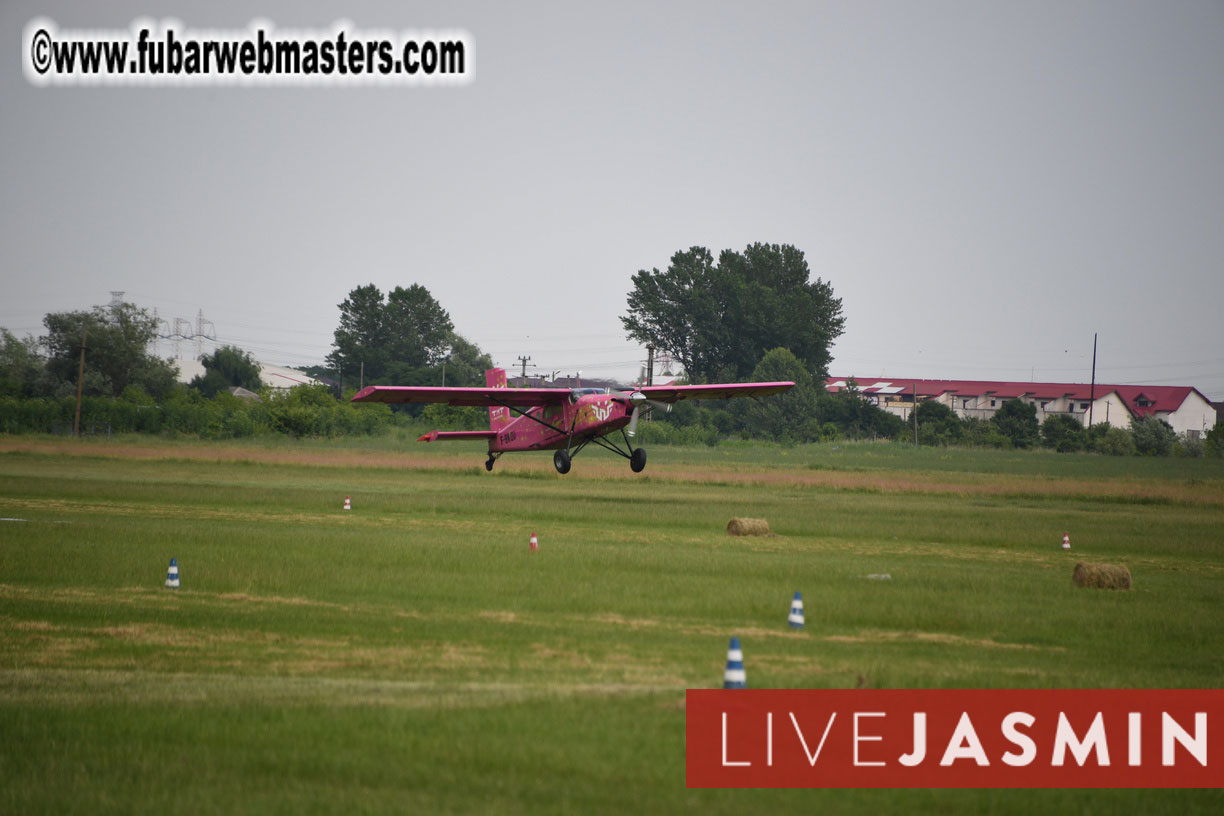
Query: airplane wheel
{"x":489,"y":463}
{"x":637,"y":462}
{"x":561,"y":461}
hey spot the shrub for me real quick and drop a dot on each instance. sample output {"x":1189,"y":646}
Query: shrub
{"x":1116,"y":442}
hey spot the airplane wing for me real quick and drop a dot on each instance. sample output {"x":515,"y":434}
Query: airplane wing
{"x":675,"y":393}
{"x":482,"y":397}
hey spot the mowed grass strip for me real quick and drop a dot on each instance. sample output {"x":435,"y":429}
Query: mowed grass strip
{"x":412,"y":652}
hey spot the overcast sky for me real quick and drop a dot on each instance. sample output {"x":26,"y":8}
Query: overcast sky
{"x":984,"y":184}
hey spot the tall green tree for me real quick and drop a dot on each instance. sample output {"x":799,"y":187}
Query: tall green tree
{"x":396,"y":338}
{"x":719,"y":319}
{"x":117,"y":340}
{"x":785,"y":417}
{"x":1017,"y":420}
{"x":20,"y":365}
{"x":466,"y":364}
{"x":225,"y":368}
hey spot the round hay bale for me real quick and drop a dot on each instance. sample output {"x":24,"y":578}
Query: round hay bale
{"x":1101,"y":576}
{"x":748,"y":527}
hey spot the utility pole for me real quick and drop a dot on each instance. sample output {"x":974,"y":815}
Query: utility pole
{"x":650,"y":365}
{"x":915,"y":410}
{"x":362,"y":380}
{"x":76,"y":428}
{"x":524,"y":361}
{"x":1092,"y":388}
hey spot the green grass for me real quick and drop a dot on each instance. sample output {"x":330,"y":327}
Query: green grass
{"x":412,"y":656}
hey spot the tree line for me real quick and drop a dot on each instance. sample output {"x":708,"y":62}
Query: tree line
{"x":755,"y":314}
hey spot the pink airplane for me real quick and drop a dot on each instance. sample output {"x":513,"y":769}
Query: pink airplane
{"x":562,"y":419}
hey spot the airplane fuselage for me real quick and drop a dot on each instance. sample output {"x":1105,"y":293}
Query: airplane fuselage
{"x":547,"y":427}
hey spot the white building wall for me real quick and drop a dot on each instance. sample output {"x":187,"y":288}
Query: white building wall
{"x":1110,"y":409}
{"x":1194,"y":415}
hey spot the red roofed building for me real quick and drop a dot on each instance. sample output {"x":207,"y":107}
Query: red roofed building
{"x":1182,"y":406}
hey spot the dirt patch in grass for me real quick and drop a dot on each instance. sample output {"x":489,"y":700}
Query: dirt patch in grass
{"x":243,"y":597}
{"x":881,"y":636}
{"x":34,"y":626}
{"x":59,"y":687}
{"x":613,"y":619}
{"x":501,"y":616}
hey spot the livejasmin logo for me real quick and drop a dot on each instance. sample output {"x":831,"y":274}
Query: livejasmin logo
{"x":954,"y":738}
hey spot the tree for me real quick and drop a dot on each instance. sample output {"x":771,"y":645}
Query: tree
{"x":225,"y":368}
{"x":1063,"y":432}
{"x":1214,"y":443}
{"x":395,"y":338}
{"x":783,"y":417}
{"x":1115,"y":442}
{"x":1153,"y":437}
{"x":466,"y":364}
{"x":720,"y":319}
{"x":938,"y":424}
{"x":1017,"y":420}
{"x":846,"y":412}
{"x":117,"y":340}
{"x":20,"y":365}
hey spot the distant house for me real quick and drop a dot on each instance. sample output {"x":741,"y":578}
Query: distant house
{"x":1182,"y":406}
{"x":272,"y":376}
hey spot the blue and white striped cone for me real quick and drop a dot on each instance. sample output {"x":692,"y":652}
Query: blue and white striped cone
{"x":796,"y":613}
{"x":172,"y":579}
{"x":735,"y":677}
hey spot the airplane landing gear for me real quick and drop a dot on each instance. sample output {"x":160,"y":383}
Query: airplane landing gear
{"x":561,"y":461}
{"x":637,"y":461}
{"x":489,"y":464}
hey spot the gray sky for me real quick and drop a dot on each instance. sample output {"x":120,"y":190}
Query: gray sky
{"x":984,"y":184}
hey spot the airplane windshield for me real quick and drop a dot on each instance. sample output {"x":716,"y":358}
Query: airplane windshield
{"x":582,"y":392}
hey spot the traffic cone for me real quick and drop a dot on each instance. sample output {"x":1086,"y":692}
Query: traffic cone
{"x":735,"y":677}
{"x":1066,"y":541}
{"x":348,"y":503}
{"x":796,"y":613}
{"x":172,"y":579}
{"x":535,"y":542}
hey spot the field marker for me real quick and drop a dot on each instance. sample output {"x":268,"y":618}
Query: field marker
{"x":796,"y":613}
{"x":535,"y":542}
{"x":348,"y":503}
{"x":735,"y":676}
{"x":172,"y":579}
{"x":1066,"y":541}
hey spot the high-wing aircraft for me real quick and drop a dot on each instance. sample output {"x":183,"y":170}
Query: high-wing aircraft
{"x":564,"y":420}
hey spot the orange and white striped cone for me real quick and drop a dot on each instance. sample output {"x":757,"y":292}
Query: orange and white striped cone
{"x":348,"y":503}
{"x":1066,"y":541}
{"x":535,"y":542}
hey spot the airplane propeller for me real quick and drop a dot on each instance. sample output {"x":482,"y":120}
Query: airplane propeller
{"x":637,"y":399}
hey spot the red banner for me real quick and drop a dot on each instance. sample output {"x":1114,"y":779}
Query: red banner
{"x":955,"y":738}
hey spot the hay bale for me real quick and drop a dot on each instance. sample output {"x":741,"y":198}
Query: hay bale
{"x":748,"y":527}
{"x":1101,"y":576}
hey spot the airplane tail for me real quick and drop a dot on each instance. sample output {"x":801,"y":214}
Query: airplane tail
{"x":499,"y":416}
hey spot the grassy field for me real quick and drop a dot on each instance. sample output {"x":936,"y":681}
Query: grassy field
{"x":412,"y":656}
